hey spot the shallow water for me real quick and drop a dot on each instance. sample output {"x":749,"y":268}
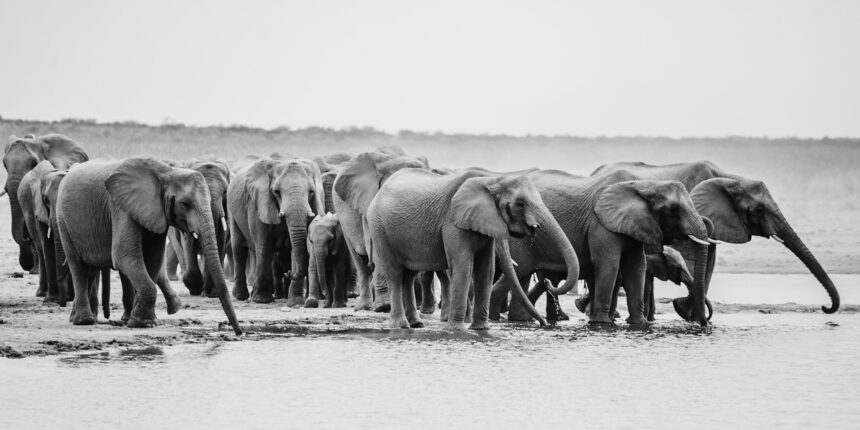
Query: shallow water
{"x":750,"y":369}
{"x":747,"y":370}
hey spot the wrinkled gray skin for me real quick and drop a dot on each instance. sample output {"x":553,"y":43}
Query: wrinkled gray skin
{"x":609,"y":220}
{"x":354,"y":189}
{"x":20,"y":156}
{"x":115,"y":213}
{"x":187,"y":249}
{"x":422,"y":221}
{"x":328,"y":267}
{"x":270,"y":204}
{"x":739,"y":208}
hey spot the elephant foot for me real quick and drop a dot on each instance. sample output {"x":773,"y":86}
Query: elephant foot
{"x":240,"y":293}
{"x":213,"y":294}
{"x":173,"y":304}
{"x":41,"y":293}
{"x":601,"y":318}
{"x":280,"y":293}
{"x":582,"y":302}
{"x":480,"y":325}
{"x":312,"y":302}
{"x":382,"y":307}
{"x":601,"y":325}
{"x":134,"y":322}
{"x":455,"y":326}
{"x":83,"y":317}
{"x":428,"y":310}
{"x":416,"y":324}
{"x":52,"y":298}
{"x":398,"y":323}
{"x":34,"y":270}
{"x":195,"y":292}
{"x":296,"y":302}
{"x":337,"y":304}
{"x":351,"y":294}
{"x":364,"y":305}
{"x":125,"y":317}
{"x":683,"y":308}
{"x":638,"y":321}
{"x":193,"y":283}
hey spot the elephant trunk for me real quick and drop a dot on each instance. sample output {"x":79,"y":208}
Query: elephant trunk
{"x":26,"y":258}
{"x":504,"y":252}
{"x":700,"y":263}
{"x":789,"y":238}
{"x":320,"y":254}
{"x":571,"y":260}
{"x":688,"y":281}
{"x":210,"y":256}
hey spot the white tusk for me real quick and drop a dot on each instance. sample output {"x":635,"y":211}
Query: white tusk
{"x":514,"y":262}
{"x":776,"y":238}
{"x":311,"y":214}
{"x":697,"y":240}
{"x":534,"y":226}
{"x":224,"y":223}
{"x":195,"y":235}
{"x":714,"y":241}
{"x":49,"y":232}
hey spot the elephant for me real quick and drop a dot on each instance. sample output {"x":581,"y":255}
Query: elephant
{"x":354,"y":189}
{"x":422,"y":221}
{"x":739,"y":208}
{"x":20,"y":156}
{"x":187,"y":249}
{"x":115,"y":213}
{"x":609,"y":220}
{"x":270,"y":204}
{"x":328,"y":267}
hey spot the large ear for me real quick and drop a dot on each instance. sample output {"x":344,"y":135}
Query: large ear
{"x":319,"y":189}
{"x":135,"y":187}
{"x":338,"y":237}
{"x":358,"y":183}
{"x":473,"y":207}
{"x":39,"y":209}
{"x":259,"y":180}
{"x":623,"y":208}
{"x":713,"y":200}
{"x":57,"y":145}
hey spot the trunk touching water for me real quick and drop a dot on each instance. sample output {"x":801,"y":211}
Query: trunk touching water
{"x":210,"y":255}
{"x":791,"y":241}
{"x":571,"y":260}
{"x":504,"y":252}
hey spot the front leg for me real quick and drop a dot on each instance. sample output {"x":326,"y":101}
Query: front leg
{"x":648,"y":297}
{"x":633,"y":273}
{"x":483,"y":283}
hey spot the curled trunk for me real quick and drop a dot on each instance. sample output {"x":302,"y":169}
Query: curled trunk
{"x":571,"y":260}
{"x":796,"y":246}
{"x":508,"y":271}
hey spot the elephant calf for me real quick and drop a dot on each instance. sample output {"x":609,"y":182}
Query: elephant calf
{"x":328,"y":267}
{"x":421,"y":221}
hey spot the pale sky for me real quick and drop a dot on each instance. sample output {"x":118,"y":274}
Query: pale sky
{"x":676,"y":68}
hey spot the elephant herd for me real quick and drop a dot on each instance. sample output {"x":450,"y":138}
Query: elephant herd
{"x":378,"y":226}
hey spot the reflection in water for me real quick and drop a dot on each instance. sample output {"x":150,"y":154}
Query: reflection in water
{"x":749,"y":369}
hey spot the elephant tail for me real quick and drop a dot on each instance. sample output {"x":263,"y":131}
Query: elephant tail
{"x":106,"y":293}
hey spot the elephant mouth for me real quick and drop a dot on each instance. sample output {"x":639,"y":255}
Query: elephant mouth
{"x":516,"y":234}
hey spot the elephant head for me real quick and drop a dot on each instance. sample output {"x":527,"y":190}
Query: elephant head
{"x":20,"y":156}
{"x":503,"y":206}
{"x":217,"y":175}
{"x":669,"y":265}
{"x":158,"y":196}
{"x":659,"y":213}
{"x":741,"y":208}
{"x":288,"y":191}
{"x":360,"y":179}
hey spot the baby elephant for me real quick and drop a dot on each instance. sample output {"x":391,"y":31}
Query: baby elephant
{"x":668,"y":265}
{"x":328,"y":264}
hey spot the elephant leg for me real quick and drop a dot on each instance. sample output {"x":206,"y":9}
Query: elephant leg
{"x":482,"y":278}
{"x":408,"y":280}
{"x":583,"y":302}
{"x":133,"y":265}
{"x":264,"y":288}
{"x":171,"y":264}
{"x":394,"y":276}
{"x":606,"y":275}
{"x":416,"y":287}
{"x":81,"y":313}
{"x":278,"y":270}
{"x":362,"y":278}
{"x":633,"y":273}
{"x":42,"y":290}
{"x":36,"y":268}
{"x":174,"y":304}
{"x":50,"y":268}
{"x":105,"y":282}
{"x":499,"y":298}
{"x":94,"y":292}
{"x":240,"y":260}
{"x":342,"y":276}
{"x":314,"y":288}
{"x":444,"y":296}
{"x":459,"y":293}
{"x":428,"y":293}
{"x":648,"y":297}
{"x":127,"y":298}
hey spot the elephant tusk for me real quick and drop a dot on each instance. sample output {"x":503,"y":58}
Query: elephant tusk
{"x":49,"y":232}
{"x":776,"y":238}
{"x":195,"y":235}
{"x":714,"y":241}
{"x":514,"y":262}
{"x":311,"y":214}
{"x":697,"y":240}
{"x":224,"y":223}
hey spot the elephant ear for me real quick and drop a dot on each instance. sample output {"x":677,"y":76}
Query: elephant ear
{"x":39,"y":209}
{"x":259,"y":179}
{"x":623,"y":208}
{"x":135,"y":187}
{"x":59,"y":146}
{"x":319,"y":189}
{"x":338,"y":238}
{"x":473,"y":207}
{"x":358,"y":183}
{"x":714,"y":201}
